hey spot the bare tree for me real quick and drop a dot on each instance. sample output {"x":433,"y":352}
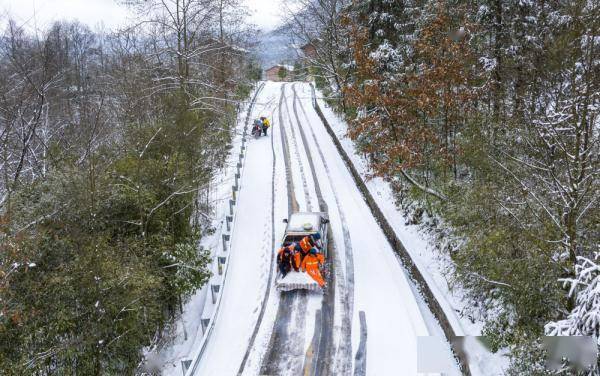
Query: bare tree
{"x":194,"y":46}
{"x":318,"y":23}
{"x":27,"y":79}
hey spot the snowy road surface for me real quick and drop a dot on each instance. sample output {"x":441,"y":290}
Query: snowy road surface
{"x":300,"y":332}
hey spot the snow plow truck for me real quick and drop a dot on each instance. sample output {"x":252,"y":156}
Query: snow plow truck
{"x":299,"y":225}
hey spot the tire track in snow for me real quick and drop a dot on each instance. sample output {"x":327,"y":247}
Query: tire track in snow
{"x":292,"y":203}
{"x":197,"y":358}
{"x":404,"y":258}
{"x":360,"y":360}
{"x":299,"y":159}
{"x":284,"y":353}
{"x":271,"y":264}
{"x":343,"y":362}
{"x":317,"y":359}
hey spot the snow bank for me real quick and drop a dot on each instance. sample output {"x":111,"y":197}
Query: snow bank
{"x":431,"y":263}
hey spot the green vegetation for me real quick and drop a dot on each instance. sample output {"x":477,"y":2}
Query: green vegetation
{"x":282,"y":73}
{"x":100,"y":216}
{"x":483,"y":115}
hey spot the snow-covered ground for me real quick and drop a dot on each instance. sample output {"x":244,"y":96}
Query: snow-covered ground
{"x":250,"y":258}
{"x":189,"y":331}
{"x":259,"y":329}
{"x":431,"y":262}
{"x":379,"y":286}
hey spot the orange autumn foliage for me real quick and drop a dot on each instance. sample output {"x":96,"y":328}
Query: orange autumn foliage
{"x":409,"y":116}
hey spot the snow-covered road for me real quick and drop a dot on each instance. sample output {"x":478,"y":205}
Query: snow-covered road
{"x":299,"y":332}
{"x":250,"y":258}
{"x":380,"y":288}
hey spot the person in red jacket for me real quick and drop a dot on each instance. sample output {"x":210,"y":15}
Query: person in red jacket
{"x":311,"y":263}
{"x":286,"y":260}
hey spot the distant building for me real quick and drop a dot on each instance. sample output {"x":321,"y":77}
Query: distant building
{"x":279,"y":72}
{"x":309,"y":50}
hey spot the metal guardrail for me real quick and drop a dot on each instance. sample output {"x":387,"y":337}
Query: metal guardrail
{"x":226,"y":244}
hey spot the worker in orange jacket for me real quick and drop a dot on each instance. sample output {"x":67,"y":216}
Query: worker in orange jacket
{"x":286,"y":258}
{"x":311,"y":263}
{"x":285,"y":261}
{"x":306,"y":244}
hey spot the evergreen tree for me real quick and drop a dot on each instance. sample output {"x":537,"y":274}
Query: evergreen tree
{"x":98,"y":237}
{"x":483,"y":113}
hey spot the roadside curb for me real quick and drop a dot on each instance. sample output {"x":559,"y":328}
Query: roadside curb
{"x":404,"y":257}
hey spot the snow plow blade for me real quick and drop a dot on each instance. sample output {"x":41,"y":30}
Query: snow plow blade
{"x":297,"y":281}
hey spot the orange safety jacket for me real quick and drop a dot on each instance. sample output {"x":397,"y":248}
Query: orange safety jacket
{"x":281,"y":251}
{"x":307,"y":243}
{"x":290,"y":259}
{"x":297,"y":259}
{"x":294,"y":255}
{"x":310,"y":265}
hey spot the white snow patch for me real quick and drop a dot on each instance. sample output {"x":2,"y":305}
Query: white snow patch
{"x":430,"y":262}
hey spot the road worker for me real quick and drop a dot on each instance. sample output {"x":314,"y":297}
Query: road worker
{"x":306,"y":244}
{"x":311,"y":263}
{"x":257,"y":128}
{"x":285,"y":261}
{"x":311,"y":241}
{"x":265,"y":124}
{"x":288,"y":254}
